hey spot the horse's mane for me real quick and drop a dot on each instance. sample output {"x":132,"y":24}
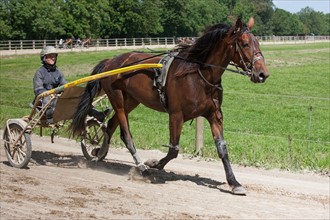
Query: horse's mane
{"x":203,"y":46}
{"x":200,"y":50}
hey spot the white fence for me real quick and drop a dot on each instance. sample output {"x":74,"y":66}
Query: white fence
{"x":116,"y":42}
{"x":16,"y":45}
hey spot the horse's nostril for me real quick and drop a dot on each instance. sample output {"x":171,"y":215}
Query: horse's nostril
{"x":262,"y":76}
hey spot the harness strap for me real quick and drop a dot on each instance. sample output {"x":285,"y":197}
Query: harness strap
{"x":245,"y":73}
{"x":207,"y":82}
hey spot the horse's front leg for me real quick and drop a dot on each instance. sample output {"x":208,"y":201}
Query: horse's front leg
{"x":175,"y":123}
{"x":216,"y":123}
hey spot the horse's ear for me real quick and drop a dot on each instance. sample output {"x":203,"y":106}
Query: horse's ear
{"x":238,"y":25}
{"x":250,"y":24}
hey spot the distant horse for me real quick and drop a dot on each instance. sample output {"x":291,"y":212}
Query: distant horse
{"x":86,"y":42}
{"x":184,"y":41}
{"x":68,"y":43}
{"x":193,"y":88}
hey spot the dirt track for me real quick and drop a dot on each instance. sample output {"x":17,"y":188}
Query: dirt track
{"x":60,"y":184}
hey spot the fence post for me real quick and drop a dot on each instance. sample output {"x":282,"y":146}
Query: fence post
{"x":199,"y":136}
{"x":309,"y":126}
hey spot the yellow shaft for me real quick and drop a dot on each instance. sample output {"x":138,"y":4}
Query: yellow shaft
{"x":95,"y":77}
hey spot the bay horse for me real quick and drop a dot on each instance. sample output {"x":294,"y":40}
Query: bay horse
{"x":68,"y":43}
{"x":193,"y":88}
{"x":183,"y":40}
{"x":86,"y":42}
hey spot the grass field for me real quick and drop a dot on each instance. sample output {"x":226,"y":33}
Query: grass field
{"x":283,"y":123}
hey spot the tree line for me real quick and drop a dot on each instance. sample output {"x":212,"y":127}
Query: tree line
{"x":55,"y":19}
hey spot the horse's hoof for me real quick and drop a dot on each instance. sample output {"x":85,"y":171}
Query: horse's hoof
{"x":152,"y":163}
{"x":239,"y":190}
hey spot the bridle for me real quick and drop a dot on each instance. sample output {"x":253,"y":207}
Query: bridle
{"x":248,"y":66}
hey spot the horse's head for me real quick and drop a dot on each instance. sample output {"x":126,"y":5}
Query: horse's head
{"x":246,"y":51}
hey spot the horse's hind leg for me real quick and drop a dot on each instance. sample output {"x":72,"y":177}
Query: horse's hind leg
{"x":111,"y":128}
{"x":122,"y":105}
{"x":126,"y":137}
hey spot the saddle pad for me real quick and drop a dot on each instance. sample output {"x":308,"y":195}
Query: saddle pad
{"x":166,"y":61}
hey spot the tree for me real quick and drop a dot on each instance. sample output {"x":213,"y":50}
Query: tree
{"x":152,"y":13}
{"x":315,"y":22}
{"x":48,"y":20}
{"x":285,"y":23}
{"x":20,"y":17}
{"x":264,"y":12}
{"x":80,"y":17}
{"x":99,"y":20}
{"x":327,"y":21}
{"x":54,"y":19}
{"x":244,"y":9}
{"x":5,"y":26}
{"x":203,"y":14}
{"x":174,"y":17}
{"x":189,"y":18}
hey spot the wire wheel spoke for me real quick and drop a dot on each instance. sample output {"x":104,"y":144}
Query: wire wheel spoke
{"x":92,"y":139}
{"x":21,"y":152}
{"x":94,"y":135}
{"x":17,"y":144}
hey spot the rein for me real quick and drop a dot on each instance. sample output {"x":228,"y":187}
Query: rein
{"x":245,"y":73}
{"x":147,"y":58}
{"x":247,"y":67}
{"x":208,"y":83}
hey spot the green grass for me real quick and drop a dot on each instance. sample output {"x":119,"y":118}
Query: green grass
{"x":265,"y":125}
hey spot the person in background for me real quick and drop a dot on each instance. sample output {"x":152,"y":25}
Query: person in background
{"x":79,"y":42}
{"x":48,"y":77}
{"x":60,"y":43}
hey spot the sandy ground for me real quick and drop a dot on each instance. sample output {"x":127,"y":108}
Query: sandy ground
{"x":60,"y":184}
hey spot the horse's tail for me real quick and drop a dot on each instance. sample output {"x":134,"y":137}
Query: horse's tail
{"x":78,"y":124}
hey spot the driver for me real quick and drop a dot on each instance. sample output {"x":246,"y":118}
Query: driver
{"x":48,"y":77}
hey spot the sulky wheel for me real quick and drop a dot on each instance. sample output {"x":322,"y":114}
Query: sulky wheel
{"x":92,"y":138}
{"x":17,"y":145}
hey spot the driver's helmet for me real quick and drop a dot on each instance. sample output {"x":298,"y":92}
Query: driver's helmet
{"x":47,"y":50}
